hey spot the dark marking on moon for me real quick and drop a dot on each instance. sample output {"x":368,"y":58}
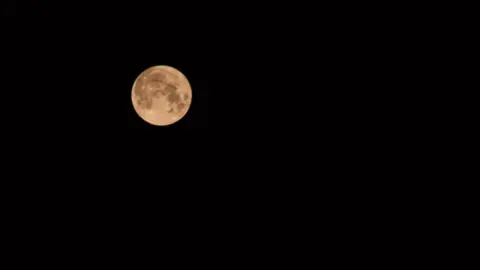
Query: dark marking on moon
{"x":158,"y":77}
{"x":144,"y":102}
{"x":173,"y":97}
{"x":170,"y":89}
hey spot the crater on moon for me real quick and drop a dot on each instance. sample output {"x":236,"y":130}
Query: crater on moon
{"x":161,"y":95}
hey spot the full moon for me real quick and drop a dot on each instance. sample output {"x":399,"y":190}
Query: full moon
{"x":161,"y":95}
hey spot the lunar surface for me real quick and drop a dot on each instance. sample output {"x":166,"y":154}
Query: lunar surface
{"x":161,"y":95}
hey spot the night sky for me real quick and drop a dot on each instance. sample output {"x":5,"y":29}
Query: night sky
{"x":83,"y":59}
{"x":72,"y":65}
{"x":301,"y":98}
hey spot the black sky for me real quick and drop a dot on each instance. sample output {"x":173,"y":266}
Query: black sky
{"x":83,"y":58}
{"x":262,"y":68}
{"x":289,"y":87}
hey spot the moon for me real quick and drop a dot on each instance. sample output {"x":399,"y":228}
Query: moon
{"x":161,"y":95}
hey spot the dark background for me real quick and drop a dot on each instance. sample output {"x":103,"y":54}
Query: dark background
{"x":275,"y":76}
{"x":66,"y":80}
{"x":72,"y":65}
{"x":310,"y":107}
{"x":275,"y":68}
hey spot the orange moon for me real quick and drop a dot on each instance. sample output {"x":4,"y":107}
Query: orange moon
{"x":161,"y":95}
